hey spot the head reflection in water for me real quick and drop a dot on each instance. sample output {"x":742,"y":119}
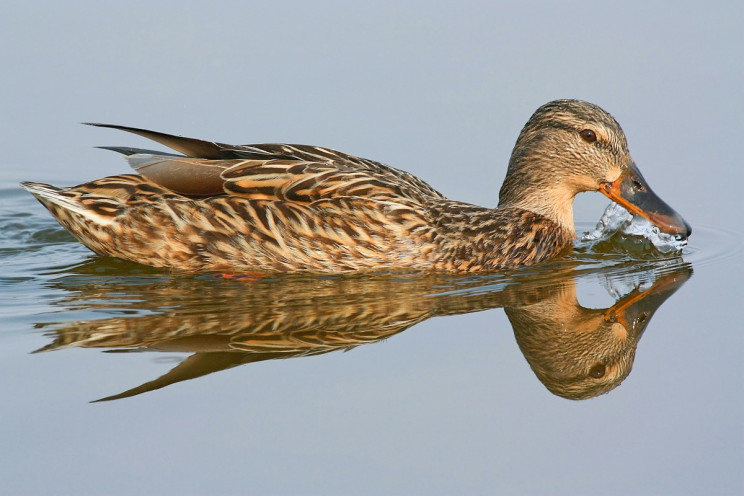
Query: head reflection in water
{"x":576,"y":352}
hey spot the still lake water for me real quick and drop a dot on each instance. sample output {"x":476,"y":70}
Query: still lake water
{"x":473,"y":400}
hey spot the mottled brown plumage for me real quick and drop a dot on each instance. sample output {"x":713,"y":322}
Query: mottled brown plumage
{"x":290,"y":208}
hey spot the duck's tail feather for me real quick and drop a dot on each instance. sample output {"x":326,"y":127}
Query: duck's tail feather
{"x":50,"y":195}
{"x":191,"y":147}
{"x":128,"y":150}
{"x":71,"y":206}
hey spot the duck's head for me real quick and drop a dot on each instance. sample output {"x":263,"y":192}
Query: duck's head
{"x":570,"y":146}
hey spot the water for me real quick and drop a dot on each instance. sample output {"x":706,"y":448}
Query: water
{"x":618,"y":225}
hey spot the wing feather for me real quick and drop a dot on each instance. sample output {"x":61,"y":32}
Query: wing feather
{"x":184,"y":175}
{"x":298,"y":173}
{"x":305,"y":182}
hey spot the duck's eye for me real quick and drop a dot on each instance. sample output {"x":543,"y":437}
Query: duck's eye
{"x":598,"y":371}
{"x":588,"y":135}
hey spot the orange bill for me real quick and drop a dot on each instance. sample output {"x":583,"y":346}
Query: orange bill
{"x":634,"y":310}
{"x":632,"y":192}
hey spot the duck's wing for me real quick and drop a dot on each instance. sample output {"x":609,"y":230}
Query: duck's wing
{"x":305,"y":182}
{"x":300,"y":173}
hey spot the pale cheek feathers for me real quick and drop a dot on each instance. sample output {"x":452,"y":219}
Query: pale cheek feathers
{"x":584,"y":183}
{"x":613,"y":174}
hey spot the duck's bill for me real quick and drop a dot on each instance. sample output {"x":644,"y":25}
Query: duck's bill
{"x":635,"y":309}
{"x":631,"y":191}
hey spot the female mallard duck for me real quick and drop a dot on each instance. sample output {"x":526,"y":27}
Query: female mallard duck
{"x":275,"y":207}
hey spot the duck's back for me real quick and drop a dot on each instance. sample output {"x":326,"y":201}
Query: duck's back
{"x":300,"y":173}
{"x":275,"y":207}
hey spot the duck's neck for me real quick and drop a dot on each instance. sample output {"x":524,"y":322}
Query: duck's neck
{"x":550,"y":201}
{"x":536,"y":183}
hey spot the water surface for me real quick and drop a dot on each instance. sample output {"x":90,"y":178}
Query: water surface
{"x":462,"y":352}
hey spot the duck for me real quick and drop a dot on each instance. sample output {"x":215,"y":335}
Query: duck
{"x":265,"y":208}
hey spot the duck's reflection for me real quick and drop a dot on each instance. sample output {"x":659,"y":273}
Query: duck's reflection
{"x":576,"y":352}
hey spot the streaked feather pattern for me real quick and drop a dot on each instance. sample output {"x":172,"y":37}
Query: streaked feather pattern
{"x":278,"y":207}
{"x":131,"y":217}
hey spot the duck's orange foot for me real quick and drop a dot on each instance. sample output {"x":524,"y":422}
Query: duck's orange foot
{"x":241,"y":276}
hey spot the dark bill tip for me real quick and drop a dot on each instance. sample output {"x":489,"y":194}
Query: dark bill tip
{"x":633,"y":192}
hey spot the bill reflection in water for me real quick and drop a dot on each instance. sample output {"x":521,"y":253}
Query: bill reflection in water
{"x":576,"y":352}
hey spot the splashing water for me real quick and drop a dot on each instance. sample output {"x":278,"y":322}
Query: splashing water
{"x":616,"y":222}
